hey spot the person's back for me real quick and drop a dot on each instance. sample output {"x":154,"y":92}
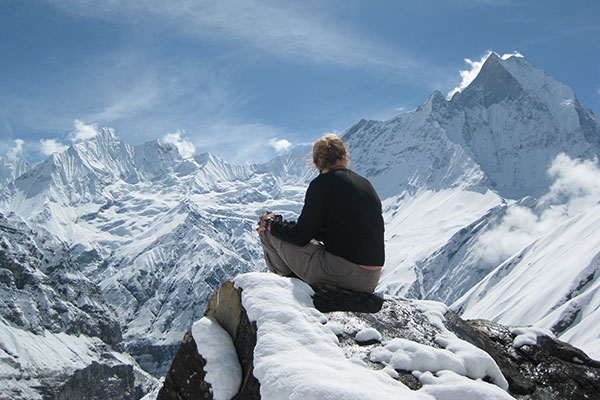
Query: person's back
{"x":342,"y":210}
{"x":353,"y":226}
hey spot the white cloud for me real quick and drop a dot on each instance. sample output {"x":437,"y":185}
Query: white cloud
{"x":519,"y":227}
{"x":509,"y":55}
{"x":576,"y":184}
{"x":576,"y":188}
{"x":185,"y":147}
{"x":15,"y":152}
{"x":82,"y":131}
{"x":468,"y":75}
{"x":280,"y":146}
{"x":51,"y":146}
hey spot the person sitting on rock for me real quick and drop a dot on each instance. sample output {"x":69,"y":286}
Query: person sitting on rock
{"x":338,"y":238}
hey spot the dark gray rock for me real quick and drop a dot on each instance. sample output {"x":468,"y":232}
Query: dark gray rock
{"x":185,"y":379}
{"x":187,"y":367}
{"x":549,"y":370}
{"x":98,"y":382}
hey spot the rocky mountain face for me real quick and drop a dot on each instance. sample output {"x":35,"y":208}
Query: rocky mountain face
{"x":152,"y":235}
{"x":55,"y":324}
{"x":10,"y":170}
{"x":539,"y":367}
{"x":501,"y":132}
{"x":45,"y":290}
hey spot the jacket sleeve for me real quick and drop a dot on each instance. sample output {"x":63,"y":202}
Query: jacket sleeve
{"x":311,"y":219}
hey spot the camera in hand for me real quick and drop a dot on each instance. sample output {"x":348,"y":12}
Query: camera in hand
{"x":265,"y":222}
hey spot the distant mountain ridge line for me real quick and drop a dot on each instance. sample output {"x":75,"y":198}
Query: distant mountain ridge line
{"x":158,"y":232}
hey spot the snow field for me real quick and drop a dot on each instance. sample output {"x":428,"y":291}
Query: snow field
{"x":418,"y":225}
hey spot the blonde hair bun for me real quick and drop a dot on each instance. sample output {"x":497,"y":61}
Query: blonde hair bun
{"x":328,"y":151}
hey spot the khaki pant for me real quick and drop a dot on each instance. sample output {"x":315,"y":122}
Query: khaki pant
{"x":313,"y":264}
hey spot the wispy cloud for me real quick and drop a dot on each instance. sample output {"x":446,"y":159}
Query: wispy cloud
{"x":82,"y":131}
{"x":244,"y":141}
{"x":184,"y":146}
{"x":127,"y":102}
{"x":16,"y":150}
{"x":301,"y":30}
{"x":280,"y":145}
{"x":576,"y":188}
{"x":51,"y":146}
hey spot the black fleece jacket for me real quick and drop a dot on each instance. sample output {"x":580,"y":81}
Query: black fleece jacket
{"x":341,"y":209}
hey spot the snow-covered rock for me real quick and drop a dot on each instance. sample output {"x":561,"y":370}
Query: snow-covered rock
{"x":287,"y":348}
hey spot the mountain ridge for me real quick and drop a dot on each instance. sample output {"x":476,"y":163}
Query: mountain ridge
{"x":158,"y":232}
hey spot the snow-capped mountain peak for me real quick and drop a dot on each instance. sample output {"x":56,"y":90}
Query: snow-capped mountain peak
{"x":494,"y":83}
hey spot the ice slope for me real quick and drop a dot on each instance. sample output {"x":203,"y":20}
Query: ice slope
{"x":514,"y":229}
{"x":420,"y":224}
{"x":552,"y":283}
{"x":412,"y":152}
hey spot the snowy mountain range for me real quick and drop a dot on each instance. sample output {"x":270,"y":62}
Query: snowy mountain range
{"x":486,"y":196}
{"x":157,"y":233}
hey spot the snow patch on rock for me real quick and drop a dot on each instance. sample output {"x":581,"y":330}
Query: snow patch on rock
{"x":223,"y":370}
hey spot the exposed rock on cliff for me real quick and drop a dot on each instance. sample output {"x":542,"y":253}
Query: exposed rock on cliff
{"x":311,"y":342}
{"x":58,"y":337}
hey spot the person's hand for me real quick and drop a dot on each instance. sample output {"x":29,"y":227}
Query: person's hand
{"x":268,"y":215}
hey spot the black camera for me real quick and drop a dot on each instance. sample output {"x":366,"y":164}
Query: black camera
{"x":265,"y":222}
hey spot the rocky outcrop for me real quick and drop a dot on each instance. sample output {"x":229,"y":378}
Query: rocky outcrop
{"x":226,"y":307}
{"x":42,"y":287}
{"x":101,"y":381}
{"x":549,"y":369}
{"x":185,"y":379}
{"x":59,"y":339}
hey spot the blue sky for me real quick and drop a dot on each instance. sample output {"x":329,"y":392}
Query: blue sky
{"x":246,"y":79}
